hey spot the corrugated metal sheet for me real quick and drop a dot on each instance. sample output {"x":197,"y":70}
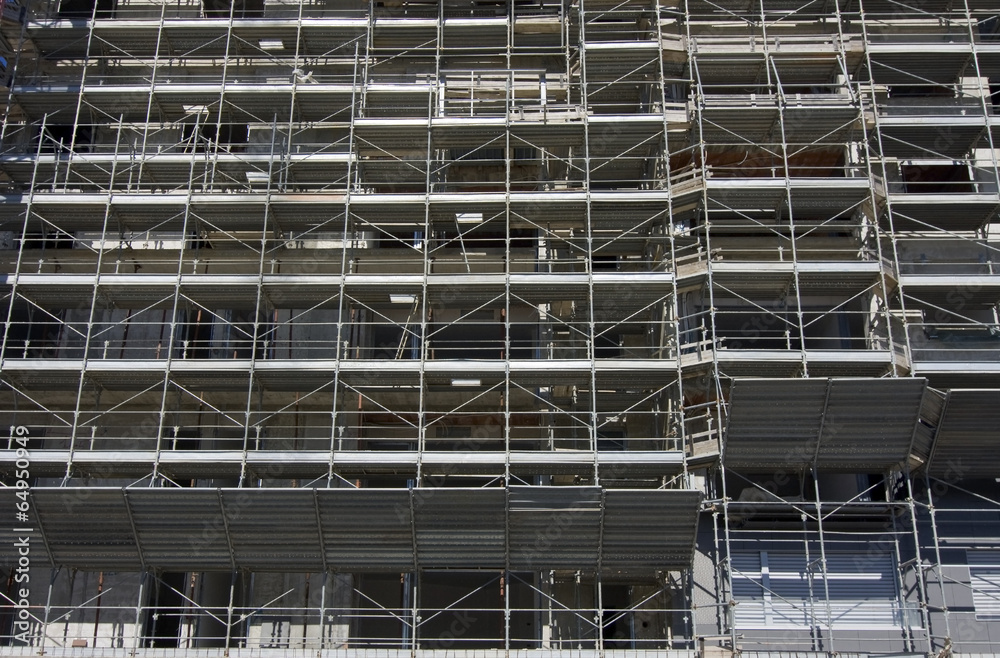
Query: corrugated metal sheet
{"x":773,"y":422}
{"x":467,"y":523}
{"x":372,"y":533}
{"x":107,"y":536}
{"x":968,"y":436}
{"x":835,"y":424}
{"x":361,"y":529}
{"x":163,"y":522}
{"x":667,"y":528}
{"x":869,"y":422}
{"x":555,"y":526}
{"x":272,"y":531}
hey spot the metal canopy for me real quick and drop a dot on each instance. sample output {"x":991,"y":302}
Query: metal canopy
{"x":835,"y":424}
{"x":363,"y":529}
{"x":967,"y":436}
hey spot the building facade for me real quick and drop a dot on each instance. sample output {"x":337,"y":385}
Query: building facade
{"x":481,"y":328}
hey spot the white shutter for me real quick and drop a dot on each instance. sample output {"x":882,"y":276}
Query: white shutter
{"x":752,"y":610}
{"x":862,"y":590}
{"x":783,"y":590}
{"x":791,"y":602}
{"x":984,"y":573}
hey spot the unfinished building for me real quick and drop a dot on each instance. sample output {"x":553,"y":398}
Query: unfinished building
{"x":500,"y":328}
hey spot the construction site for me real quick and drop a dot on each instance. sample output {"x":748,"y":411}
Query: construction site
{"x":499,"y":328}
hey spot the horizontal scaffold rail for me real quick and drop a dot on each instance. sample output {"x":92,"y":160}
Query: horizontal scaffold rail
{"x":293,"y":374}
{"x":183,"y":464}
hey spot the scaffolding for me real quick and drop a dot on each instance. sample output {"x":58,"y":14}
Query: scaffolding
{"x":627,"y":328}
